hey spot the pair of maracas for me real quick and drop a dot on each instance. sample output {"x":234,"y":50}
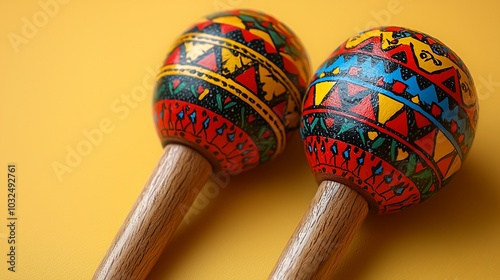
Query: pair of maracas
{"x":386,"y":122}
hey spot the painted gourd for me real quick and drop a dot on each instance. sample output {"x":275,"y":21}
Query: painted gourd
{"x":392,"y":113}
{"x":231,"y":87}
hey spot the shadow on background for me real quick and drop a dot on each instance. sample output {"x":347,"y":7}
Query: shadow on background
{"x":271,"y":185}
{"x":460,"y":212}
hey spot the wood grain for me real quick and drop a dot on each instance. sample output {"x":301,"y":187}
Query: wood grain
{"x":177,"y":180}
{"x":324,"y":234}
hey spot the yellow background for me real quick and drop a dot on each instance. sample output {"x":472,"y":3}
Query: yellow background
{"x":88,"y":62}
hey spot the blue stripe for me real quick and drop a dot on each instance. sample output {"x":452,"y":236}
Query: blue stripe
{"x":398,"y":98}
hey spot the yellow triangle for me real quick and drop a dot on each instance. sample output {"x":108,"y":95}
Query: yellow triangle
{"x":195,"y":50}
{"x":443,"y":146}
{"x":231,"y":20}
{"x":322,"y":89}
{"x":454,"y":167}
{"x":387,"y":108}
{"x":263,"y":35}
{"x":415,"y":99}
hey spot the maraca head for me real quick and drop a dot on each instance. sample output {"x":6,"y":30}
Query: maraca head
{"x":231,"y":87}
{"x":392,"y":113}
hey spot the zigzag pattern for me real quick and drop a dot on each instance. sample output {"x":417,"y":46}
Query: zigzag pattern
{"x":243,"y":67}
{"x":403,"y":102}
{"x":452,"y":118}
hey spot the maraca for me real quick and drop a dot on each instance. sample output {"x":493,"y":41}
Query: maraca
{"x":387,"y":121}
{"x":227,"y":97}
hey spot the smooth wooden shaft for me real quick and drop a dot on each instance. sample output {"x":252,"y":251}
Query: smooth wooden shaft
{"x":173,"y":186}
{"x":323,"y":235}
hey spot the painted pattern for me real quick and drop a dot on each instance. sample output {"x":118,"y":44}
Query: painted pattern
{"x":231,"y":87}
{"x":392,"y":113}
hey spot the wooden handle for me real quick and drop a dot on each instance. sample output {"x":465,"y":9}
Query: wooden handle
{"x":323,"y":235}
{"x":176,"y":181}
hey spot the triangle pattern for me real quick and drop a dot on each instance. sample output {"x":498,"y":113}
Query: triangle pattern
{"x":208,"y":61}
{"x":400,"y":56}
{"x":226,"y":28}
{"x":427,"y":142}
{"x":399,"y":124}
{"x":174,"y":56}
{"x":271,"y":48}
{"x":322,"y":89}
{"x":388,"y":107}
{"x":353,"y":89}
{"x":248,"y":36}
{"x":444,"y":164}
{"x":443,"y":148}
{"x":423,"y":82}
{"x":454,"y":167}
{"x":450,"y":84}
{"x":247,"y":78}
{"x":204,"y":24}
{"x":421,"y":120}
{"x":195,"y":50}
{"x":364,"y":108}
{"x":333,"y":99}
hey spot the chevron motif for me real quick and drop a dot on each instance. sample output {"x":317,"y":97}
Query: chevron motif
{"x":404,"y":99}
{"x":231,"y":86}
